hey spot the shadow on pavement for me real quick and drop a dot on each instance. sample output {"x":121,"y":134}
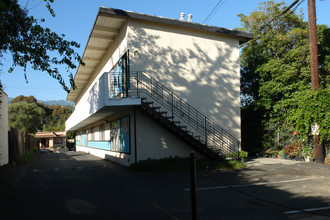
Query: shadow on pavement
{"x":77,"y":185}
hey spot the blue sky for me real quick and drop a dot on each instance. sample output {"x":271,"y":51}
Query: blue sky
{"x":75,"y":19}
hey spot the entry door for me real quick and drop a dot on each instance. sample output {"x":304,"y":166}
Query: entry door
{"x":124,"y":135}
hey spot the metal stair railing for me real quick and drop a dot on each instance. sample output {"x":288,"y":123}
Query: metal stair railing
{"x":213,"y":136}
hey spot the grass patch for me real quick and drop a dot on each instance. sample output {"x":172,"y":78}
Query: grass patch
{"x":27,"y":156}
{"x":177,"y":163}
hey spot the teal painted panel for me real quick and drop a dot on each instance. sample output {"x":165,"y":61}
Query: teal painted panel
{"x":77,"y":143}
{"x":104,"y":145}
{"x":83,"y":138}
{"x":124,"y":135}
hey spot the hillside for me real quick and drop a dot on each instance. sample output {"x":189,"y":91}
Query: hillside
{"x":52,"y":102}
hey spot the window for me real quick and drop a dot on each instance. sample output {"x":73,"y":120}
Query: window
{"x":58,"y":140}
{"x":119,"y":135}
{"x":119,"y":78}
{"x":115,"y":136}
{"x":92,"y":134}
{"x":101,"y":132}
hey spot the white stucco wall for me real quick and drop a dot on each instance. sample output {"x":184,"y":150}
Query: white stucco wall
{"x":96,"y":94}
{"x":154,"y":141}
{"x":4,"y":155}
{"x":200,"y":67}
{"x":124,"y":159}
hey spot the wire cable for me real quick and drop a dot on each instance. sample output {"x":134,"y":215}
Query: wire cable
{"x":283,"y":15}
{"x":214,"y":11}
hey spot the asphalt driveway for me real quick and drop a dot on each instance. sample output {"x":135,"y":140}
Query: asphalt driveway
{"x":75,"y":185}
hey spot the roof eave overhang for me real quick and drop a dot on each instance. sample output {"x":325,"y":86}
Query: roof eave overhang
{"x":84,"y":72}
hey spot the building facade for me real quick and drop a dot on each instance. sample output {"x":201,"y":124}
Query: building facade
{"x":51,"y":139}
{"x":155,"y":87}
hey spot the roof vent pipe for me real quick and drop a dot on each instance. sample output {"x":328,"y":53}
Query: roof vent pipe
{"x":190,"y":17}
{"x":182,"y":16}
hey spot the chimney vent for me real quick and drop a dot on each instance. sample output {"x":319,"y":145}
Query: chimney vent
{"x":182,"y":16}
{"x":190,"y":17}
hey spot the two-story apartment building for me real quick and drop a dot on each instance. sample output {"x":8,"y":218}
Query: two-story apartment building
{"x":155,"y":87}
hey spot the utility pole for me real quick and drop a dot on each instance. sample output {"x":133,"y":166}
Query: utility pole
{"x":318,"y":150}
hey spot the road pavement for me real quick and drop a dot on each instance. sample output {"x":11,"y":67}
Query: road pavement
{"x":76,"y":185}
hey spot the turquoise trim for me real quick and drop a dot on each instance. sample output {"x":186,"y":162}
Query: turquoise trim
{"x":104,"y":145}
{"x":77,"y":143}
{"x":124,"y":135}
{"x":83,"y":138}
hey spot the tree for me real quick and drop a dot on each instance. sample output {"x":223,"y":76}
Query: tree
{"x":56,"y":117}
{"x":26,"y":116}
{"x":22,"y":98}
{"x":52,"y":118}
{"x":275,"y":72}
{"x":31,"y":44}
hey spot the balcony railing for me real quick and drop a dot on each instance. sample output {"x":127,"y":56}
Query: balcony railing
{"x":211,"y":134}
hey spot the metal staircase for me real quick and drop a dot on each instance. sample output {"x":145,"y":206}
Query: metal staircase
{"x":180,"y":118}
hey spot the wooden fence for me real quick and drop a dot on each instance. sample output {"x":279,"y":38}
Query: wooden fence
{"x":19,"y":143}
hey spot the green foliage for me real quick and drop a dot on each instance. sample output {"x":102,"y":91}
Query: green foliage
{"x":51,"y":118}
{"x":308,"y":152}
{"x":238,"y":155}
{"x":27,"y":156}
{"x":71,"y":135}
{"x":55,"y":117}
{"x":25,"y":116}
{"x":22,"y":98}
{"x":30,"y":43}
{"x":293,"y":150}
{"x":177,"y":163}
{"x":272,"y":151}
{"x":311,"y":107}
{"x":275,"y":76}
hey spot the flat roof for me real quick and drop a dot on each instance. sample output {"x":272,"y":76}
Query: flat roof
{"x":158,"y":19}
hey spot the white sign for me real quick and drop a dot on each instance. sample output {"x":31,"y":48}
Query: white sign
{"x":315,"y":129}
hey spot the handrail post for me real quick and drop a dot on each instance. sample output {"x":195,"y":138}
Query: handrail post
{"x":172,"y":106}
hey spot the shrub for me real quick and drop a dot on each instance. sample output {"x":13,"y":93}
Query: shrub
{"x":293,"y":150}
{"x":238,"y":155}
{"x":272,"y":151}
{"x":27,"y":156}
{"x":177,"y":163}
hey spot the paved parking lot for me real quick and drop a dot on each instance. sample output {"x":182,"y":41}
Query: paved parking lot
{"x":76,"y":185}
